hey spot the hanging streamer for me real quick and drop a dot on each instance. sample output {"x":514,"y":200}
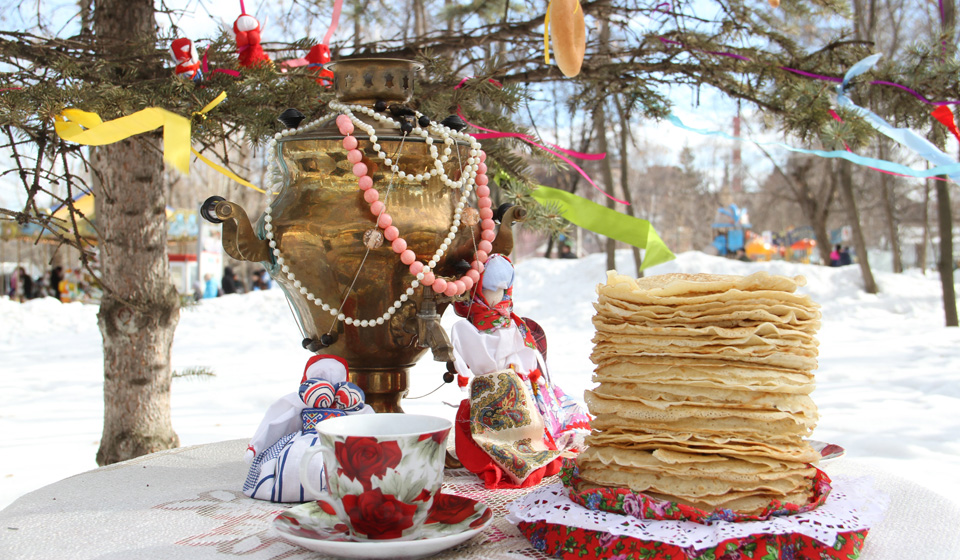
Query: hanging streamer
{"x":225,"y":172}
{"x":89,"y":129}
{"x":83,"y":127}
{"x":944,"y":116}
{"x":206,"y":70}
{"x":884,"y":165}
{"x":556,"y":151}
{"x":821,"y":77}
{"x":613,"y":224}
{"x":334,"y":22}
{"x":903,"y":136}
{"x":837,"y":118}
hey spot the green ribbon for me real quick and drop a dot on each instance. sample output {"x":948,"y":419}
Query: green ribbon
{"x":613,"y":224}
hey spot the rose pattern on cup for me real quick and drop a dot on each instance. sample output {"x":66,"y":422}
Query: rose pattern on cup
{"x":362,"y":458}
{"x":383,"y":486}
{"x":384,"y":507}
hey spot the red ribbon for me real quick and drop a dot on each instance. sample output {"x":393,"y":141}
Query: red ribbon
{"x":944,"y":115}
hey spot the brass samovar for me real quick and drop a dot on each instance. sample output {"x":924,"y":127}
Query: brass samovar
{"x":320,"y":220}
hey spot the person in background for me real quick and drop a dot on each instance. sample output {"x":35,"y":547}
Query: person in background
{"x":229,"y":283}
{"x":15,"y":292}
{"x":257,"y":282}
{"x":210,"y":288}
{"x":26,"y":285}
{"x":198,"y":290}
{"x":835,"y":256}
{"x":566,"y":252}
{"x":845,"y":258}
{"x":56,"y":276}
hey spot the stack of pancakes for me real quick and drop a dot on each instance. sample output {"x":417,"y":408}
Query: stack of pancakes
{"x":704,"y":390}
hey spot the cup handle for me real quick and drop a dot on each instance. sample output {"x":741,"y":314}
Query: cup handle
{"x":325,"y":497}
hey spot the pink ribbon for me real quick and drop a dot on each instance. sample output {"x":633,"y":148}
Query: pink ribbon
{"x":334,"y":22}
{"x":555,"y":151}
{"x":552,"y":149}
{"x":464,"y":81}
{"x":203,"y":63}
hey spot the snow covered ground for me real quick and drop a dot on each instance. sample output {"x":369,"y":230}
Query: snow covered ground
{"x":888,"y":387}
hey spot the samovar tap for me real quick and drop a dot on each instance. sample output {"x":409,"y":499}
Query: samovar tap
{"x":430,"y":334}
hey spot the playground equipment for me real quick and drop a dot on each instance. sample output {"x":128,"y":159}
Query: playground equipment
{"x":730,"y":226}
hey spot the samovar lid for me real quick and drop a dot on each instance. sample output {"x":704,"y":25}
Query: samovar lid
{"x":368,"y":80}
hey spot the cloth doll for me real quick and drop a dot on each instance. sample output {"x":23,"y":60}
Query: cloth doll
{"x":317,"y":57}
{"x":246,"y":31}
{"x":188,"y":62}
{"x":289,"y":428}
{"x":516,"y":423}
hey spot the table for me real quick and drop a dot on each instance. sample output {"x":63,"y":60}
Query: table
{"x":186,"y":503}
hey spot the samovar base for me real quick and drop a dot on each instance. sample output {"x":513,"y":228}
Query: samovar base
{"x":382,"y":389}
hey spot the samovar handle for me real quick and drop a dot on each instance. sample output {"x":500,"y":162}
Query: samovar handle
{"x":508,"y":214}
{"x":239,"y":239}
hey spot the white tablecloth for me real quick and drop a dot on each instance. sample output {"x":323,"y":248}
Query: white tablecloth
{"x":186,"y":504}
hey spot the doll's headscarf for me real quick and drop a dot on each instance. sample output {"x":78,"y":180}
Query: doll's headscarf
{"x":498,"y":274}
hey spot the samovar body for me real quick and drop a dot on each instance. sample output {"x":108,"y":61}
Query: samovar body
{"x":323,"y":228}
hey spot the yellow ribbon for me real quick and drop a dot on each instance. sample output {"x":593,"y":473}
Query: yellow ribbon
{"x":83,"y":127}
{"x":223,"y":170}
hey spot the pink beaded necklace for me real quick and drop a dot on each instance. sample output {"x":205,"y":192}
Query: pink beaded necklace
{"x":392,"y":234}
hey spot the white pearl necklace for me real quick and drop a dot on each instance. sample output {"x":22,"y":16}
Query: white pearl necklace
{"x":465,"y":183}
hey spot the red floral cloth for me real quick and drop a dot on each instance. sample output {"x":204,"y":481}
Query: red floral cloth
{"x":571,"y":543}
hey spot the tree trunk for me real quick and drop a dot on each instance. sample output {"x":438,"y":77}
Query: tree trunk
{"x":815,"y":210}
{"x":140,"y":307}
{"x":817,"y":214}
{"x":599,"y":121}
{"x":624,"y":173}
{"x":922,"y":254}
{"x":944,"y":209}
{"x":945,"y":227}
{"x":850,"y":202}
{"x":890,"y":213}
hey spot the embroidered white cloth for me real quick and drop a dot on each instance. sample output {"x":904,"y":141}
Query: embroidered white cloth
{"x":854,"y":504}
{"x":185,"y":504}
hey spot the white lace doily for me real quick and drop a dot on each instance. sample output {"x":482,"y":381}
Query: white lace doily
{"x":853,"y":504}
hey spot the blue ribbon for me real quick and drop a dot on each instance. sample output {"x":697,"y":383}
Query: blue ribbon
{"x":903,"y":136}
{"x":951,"y":168}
